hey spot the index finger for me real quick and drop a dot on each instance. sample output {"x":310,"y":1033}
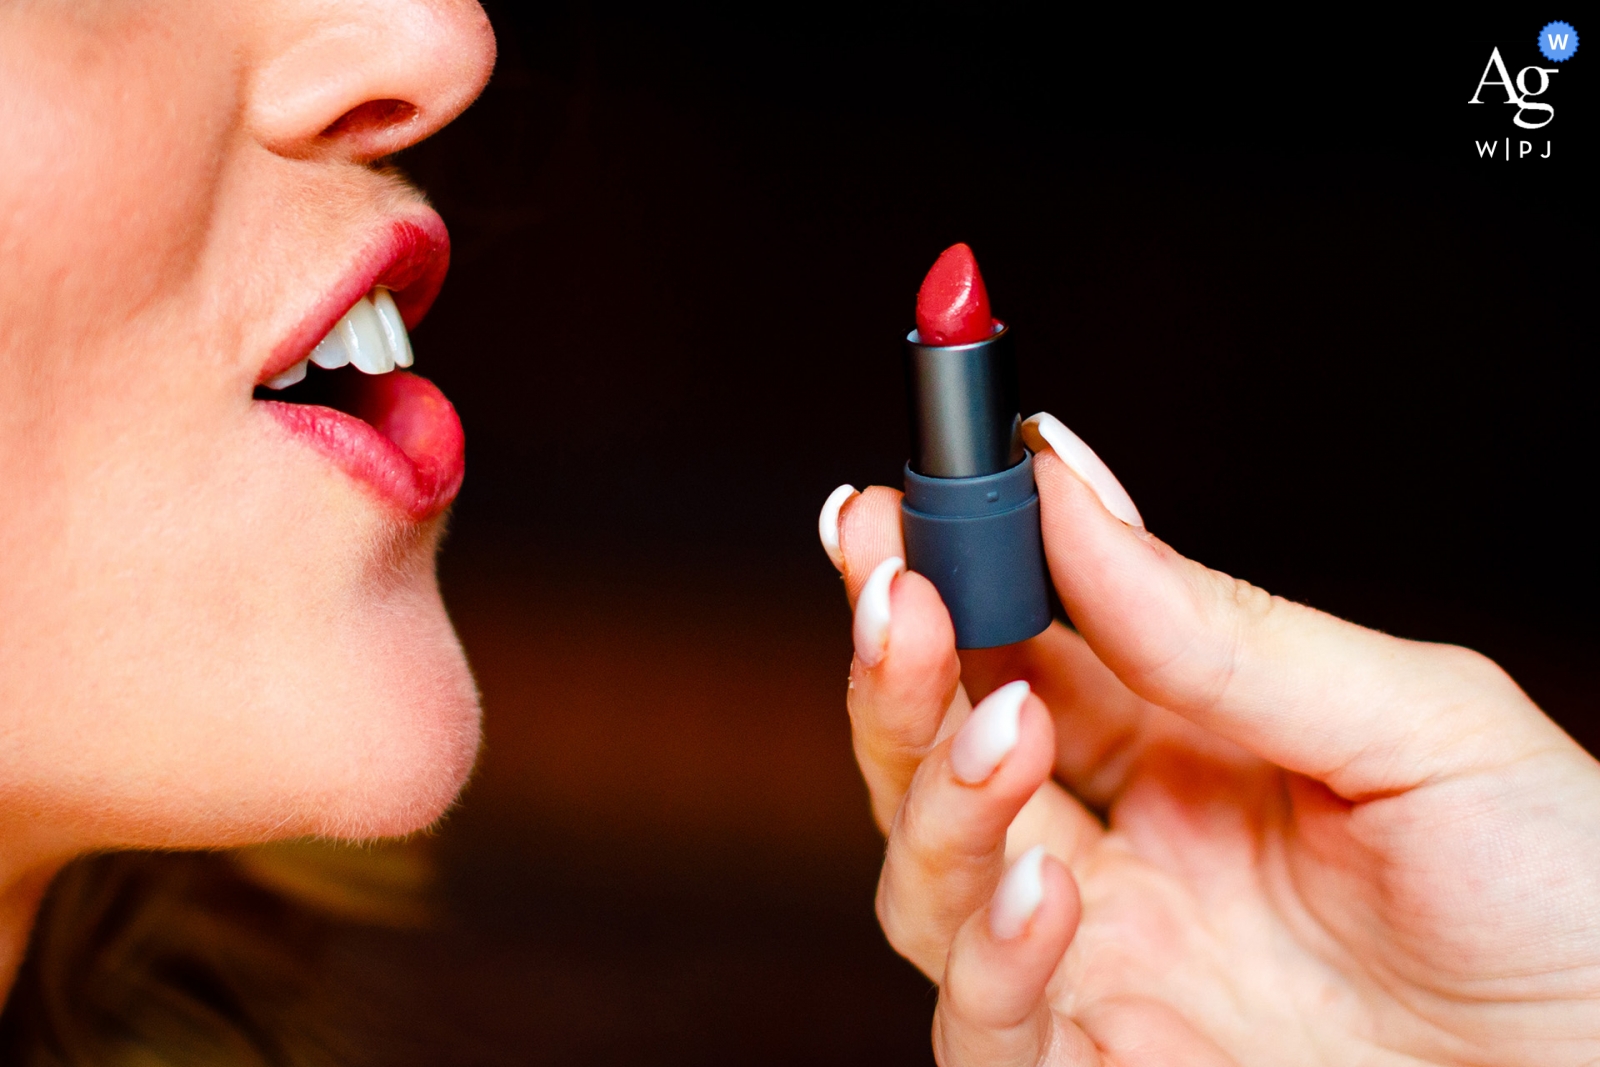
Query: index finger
{"x":905,"y":678}
{"x":866,"y":531}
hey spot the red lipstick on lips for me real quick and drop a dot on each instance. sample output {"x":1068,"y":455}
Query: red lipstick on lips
{"x":399,"y":437}
{"x":394,"y":433}
{"x":970,"y":514}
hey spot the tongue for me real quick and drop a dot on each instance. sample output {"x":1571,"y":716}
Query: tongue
{"x":413,"y":414}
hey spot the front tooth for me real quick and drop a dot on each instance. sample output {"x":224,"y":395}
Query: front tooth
{"x":394,"y":327}
{"x":362,"y":332}
{"x":296,"y":373}
{"x":331,"y":353}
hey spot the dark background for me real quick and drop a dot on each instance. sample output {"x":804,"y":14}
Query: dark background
{"x":1258,"y":266}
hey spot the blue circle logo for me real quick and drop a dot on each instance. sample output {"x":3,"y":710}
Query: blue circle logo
{"x":1557,"y":41}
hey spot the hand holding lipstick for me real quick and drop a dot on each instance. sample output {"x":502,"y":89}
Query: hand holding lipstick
{"x":1211,"y":826}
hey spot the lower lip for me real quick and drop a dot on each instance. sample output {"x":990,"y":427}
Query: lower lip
{"x":404,"y":443}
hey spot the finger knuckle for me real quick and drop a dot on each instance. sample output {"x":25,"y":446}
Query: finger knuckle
{"x":901,"y":718}
{"x":935,"y":841}
{"x":1229,"y":613}
{"x":1477,"y":676}
{"x":890,"y":919}
{"x":1249,"y":614}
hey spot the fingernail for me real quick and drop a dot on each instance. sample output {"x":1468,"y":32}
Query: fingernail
{"x":1045,"y":429}
{"x":1019,"y":896}
{"x":871,"y":629}
{"x":828,"y":524}
{"x":989,"y":734}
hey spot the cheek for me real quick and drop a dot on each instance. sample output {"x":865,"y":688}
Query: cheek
{"x":113,"y":139}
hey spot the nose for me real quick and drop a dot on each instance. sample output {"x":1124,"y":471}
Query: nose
{"x":359,"y":79}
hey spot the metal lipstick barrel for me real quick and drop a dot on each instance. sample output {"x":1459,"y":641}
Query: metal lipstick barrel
{"x":965,"y":419}
{"x":970,"y":514}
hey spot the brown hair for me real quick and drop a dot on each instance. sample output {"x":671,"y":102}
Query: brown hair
{"x":180,"y":959}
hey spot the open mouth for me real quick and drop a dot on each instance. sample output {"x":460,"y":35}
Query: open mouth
{"x":371,"y":337}
{"x":393,"y":431}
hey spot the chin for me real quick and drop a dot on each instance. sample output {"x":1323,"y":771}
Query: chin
{"x":420,"y":756}
{"x":362,"y":722}
{"x":401,"y":735}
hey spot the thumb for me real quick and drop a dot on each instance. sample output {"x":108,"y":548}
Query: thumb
{"x":1364,"y":712}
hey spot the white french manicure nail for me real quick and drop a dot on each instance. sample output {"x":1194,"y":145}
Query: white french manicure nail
{"x":1019,"y":896}
{"x":989,"y":734}
{"x":828,"y":524}
{"x":1049,"y":430}
{"x":871,"y":629}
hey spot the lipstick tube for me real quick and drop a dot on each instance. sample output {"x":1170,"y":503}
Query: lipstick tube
{"x":970,"y":514}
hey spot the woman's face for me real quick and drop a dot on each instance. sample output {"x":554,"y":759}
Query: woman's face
{"x":218,"y":614}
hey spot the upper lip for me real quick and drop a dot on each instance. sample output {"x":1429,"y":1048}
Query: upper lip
{"x":409,"y":257}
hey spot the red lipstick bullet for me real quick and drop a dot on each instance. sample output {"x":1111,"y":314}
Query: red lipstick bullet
{"x":970,"y":514}
{"x":953,"y":303}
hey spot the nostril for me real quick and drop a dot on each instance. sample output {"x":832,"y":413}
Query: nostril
{"x":374,"y":116}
